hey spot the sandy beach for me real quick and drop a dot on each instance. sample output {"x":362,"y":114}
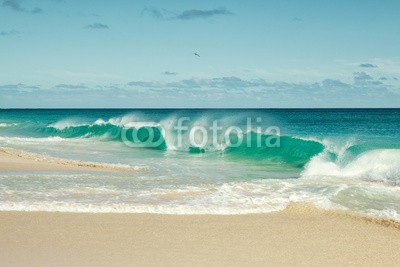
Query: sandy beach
{"x":18,"y":160}
{"x":300,"y":235}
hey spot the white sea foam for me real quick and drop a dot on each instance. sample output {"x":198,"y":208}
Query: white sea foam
{"x":100,"y":194}
{"x":376,"y":165}
{"x":31,"y":140}
{"x":226,"y":199}
{"x":129,"y":120}
{"x":4,"y":125}
{"x":64,"y":124}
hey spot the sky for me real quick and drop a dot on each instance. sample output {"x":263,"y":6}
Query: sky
{"x":252,"y":54}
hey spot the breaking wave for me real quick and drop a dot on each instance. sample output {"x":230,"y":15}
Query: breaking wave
{"x":312,"y":156}
{"x":380,"y":165}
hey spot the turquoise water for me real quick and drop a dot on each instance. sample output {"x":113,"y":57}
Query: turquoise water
{"x":334,"y":158}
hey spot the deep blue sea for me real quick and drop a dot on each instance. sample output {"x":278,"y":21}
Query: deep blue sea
{"x":229,"y":161}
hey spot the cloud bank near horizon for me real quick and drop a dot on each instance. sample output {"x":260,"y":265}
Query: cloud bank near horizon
{"x":232,"y":91}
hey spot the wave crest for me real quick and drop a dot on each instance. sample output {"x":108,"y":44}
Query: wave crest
{"x":380,"y":165}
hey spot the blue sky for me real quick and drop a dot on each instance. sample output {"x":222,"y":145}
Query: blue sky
{"x":135,"y":54}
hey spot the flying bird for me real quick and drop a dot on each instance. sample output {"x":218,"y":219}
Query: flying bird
{"x":196,"y":54}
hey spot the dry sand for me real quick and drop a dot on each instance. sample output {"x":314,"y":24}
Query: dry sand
{"x":299,"y":235}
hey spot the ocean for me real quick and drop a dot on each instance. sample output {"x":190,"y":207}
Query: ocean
{"x":200,"y":161}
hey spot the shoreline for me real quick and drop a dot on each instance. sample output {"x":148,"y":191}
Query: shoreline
{"x":18,"y":160}
{"x":299,"y":235}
